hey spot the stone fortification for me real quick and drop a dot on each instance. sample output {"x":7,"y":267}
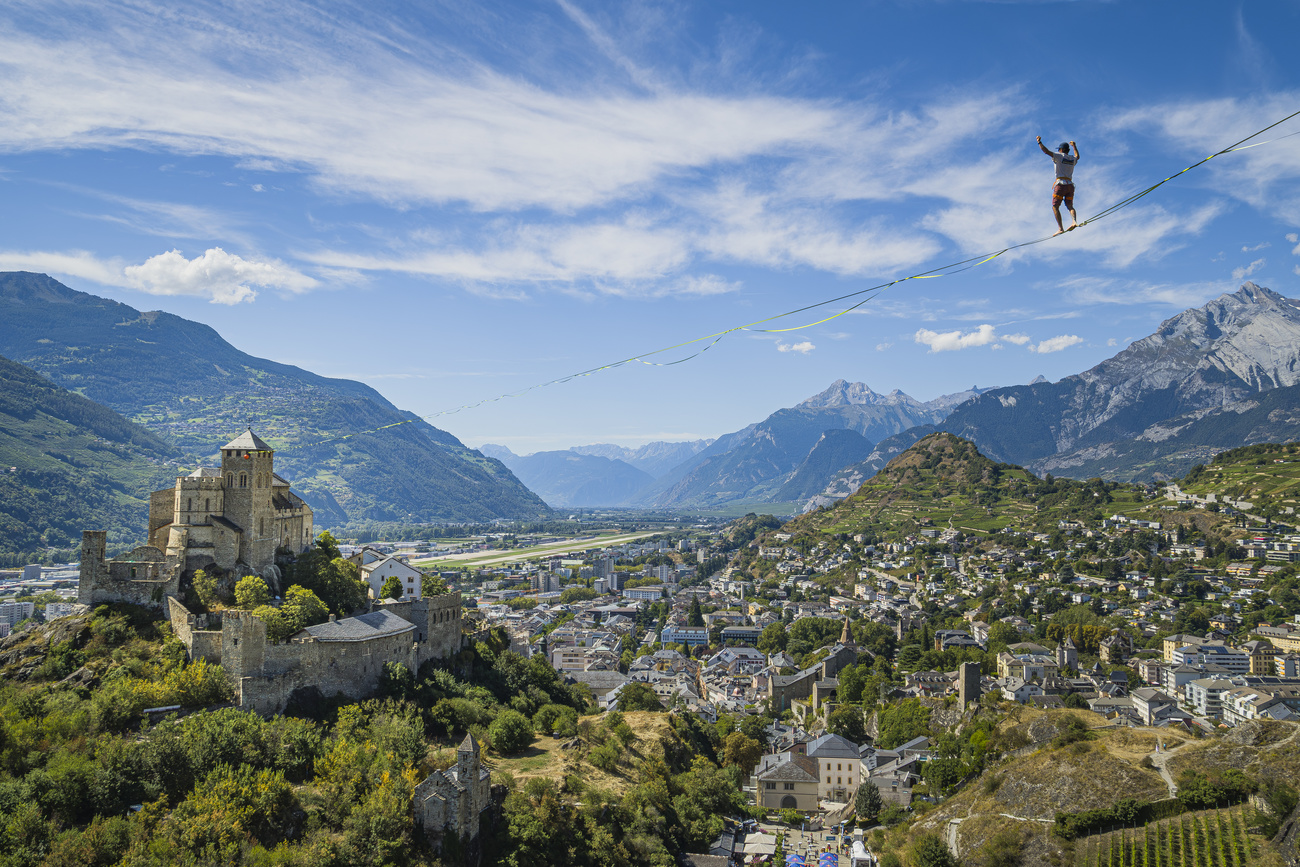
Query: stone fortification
{"x":143,"y":576}
{"x":228,"y":520}
{"x":343,"y":656}
{"x":232,"y":520}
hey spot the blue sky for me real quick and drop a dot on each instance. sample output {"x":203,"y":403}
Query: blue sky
{"x":456,"y":201}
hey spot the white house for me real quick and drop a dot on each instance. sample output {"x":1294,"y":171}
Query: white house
{"x":378,"y":571}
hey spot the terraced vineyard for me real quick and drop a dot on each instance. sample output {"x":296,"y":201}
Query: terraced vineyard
{"x":1213,"y":838}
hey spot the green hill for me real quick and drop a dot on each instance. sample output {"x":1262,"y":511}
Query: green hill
{"x":184,"y":382}
{"x":68,"y":464}
{"x":1267,"y":476}
{"x":944,"y":481}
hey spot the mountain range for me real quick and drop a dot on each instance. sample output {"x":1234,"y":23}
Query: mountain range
{"x":1210,"y":378}
{"x":193,"y":390}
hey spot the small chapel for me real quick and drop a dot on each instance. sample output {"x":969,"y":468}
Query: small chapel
{"x":450,"y":801}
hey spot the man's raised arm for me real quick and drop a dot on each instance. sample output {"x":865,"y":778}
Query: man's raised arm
{"x":1076,"y":150}
{"x":1043,"y":147}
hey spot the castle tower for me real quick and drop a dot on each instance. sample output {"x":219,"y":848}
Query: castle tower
{"x":1067,"y":655}
{"x":94,"y":544}
{"x":846,"y":637}
{"x":968,"y":682}
{"x":247,"y":471}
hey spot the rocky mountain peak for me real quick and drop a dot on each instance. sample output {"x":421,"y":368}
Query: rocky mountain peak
{"x":1249,"y":338}
{"x":844,"y":393}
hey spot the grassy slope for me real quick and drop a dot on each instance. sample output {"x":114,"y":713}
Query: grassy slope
{"x":944,"y":479}
{"x":1024,"y":792}
{"x":547,"y":759}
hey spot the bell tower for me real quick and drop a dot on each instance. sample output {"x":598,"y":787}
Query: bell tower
{"x":247,"y":469}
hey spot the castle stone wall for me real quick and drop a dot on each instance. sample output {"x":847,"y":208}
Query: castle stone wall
{"x":202,"y":643}
{"x":144,"y":576}
{"x":160,"y":515}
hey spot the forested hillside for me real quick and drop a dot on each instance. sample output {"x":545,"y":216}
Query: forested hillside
{"x":68,"y":464}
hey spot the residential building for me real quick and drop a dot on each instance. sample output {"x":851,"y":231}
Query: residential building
{"x":376,"y":572}
{"x":691,"y":636}
{"x":1231,"y":659}
{"x":791,"y":783}
{"x":838,"y":767}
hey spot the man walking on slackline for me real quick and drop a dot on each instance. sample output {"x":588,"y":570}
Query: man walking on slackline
{"x":1063,"y":191}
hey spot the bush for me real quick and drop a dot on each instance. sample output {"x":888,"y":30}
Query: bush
{"x":791,"y":817}
{"x":604,"y":757}
{"x":510,"y":732}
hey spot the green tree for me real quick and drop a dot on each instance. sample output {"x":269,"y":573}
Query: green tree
{"x":846,"y":721}
{"x":696,"y":615}
{"x":392,"y":588}
{"x":303,"y":608}
{"x":205,"y":586}
{"x":929,"y":850}
{"x":569,"y":595}
{"x":741,"y":751}
{"x":868,"y":801}
{"x":511,"y":732}
{"x":773,"y":638}
{"x":251,"y":592}
{"x":638,"y":696}
{"x":1002,"y":635}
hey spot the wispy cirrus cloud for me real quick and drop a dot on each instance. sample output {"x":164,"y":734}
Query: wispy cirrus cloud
{"x":1088,"y":289}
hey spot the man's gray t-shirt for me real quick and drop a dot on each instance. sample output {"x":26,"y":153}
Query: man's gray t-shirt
{"x":1064,"y":166}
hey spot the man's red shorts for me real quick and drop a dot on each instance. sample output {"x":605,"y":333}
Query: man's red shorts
{"x":1063,"y":193}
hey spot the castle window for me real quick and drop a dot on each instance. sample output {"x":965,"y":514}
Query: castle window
{"x":189,"y":504}
{"x":230,"y":480}
{"x":261,"y":526}
{"x":243,"y":480}
{"x":207,"y":505}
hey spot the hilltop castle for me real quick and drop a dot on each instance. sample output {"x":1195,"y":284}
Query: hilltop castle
{"x":232,"y":521}
{"x":229,"y":520}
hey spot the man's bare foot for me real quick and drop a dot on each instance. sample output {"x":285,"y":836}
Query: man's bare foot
{"x":1071,"y":227}
{"x":1058,"y":232}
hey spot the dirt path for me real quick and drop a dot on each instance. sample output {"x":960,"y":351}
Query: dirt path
{"x":1159,"y":758}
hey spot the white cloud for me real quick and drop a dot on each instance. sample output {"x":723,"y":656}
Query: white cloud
{"x":1056,"y":344}
{"x":1243,"y":273}
{"x":802,"y":348}
{"x":1112,"y":342}
{"x":1260,"y":246}
{"x":949,"y":341}
{"x":218,"y":276}
{"x":984,"y":335}
{"x":604,"y":174}
{"x":881,"y":347}
{"x":1293,"y":238}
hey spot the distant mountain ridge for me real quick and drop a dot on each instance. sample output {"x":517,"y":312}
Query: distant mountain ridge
{"x":565,"y":479}
{"x":181,"y":380}
{"x":756,"y":462}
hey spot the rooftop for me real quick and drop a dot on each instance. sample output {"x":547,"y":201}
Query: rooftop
{"x":249,"y":441}
{"x":377,"y":624}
